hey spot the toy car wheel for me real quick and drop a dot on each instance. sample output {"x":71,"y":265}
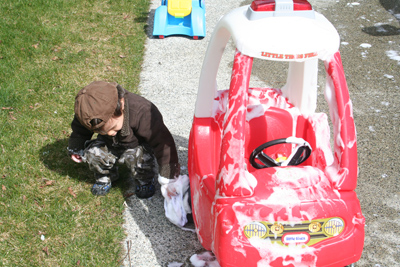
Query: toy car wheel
{"x":161,"y":36}
{"x":260,"y":160}
{"x":196,"y":37}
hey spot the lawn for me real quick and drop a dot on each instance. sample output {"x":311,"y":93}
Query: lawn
{"x":49,"y":50}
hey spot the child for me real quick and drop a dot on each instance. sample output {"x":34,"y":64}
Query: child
{"x":130,"y":131}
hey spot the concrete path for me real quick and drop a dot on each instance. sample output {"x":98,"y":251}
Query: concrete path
{"x":371,"y":55}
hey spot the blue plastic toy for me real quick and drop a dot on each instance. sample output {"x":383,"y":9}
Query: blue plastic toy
{"x":180,"y":17}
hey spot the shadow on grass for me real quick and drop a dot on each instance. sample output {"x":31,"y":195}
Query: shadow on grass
{"x":55,"y":157}
{"x":154,"y":239}
{"x":145,"y":18}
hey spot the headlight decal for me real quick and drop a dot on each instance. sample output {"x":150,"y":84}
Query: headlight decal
{"x":333,"y":227}
{"x":256,"y":229}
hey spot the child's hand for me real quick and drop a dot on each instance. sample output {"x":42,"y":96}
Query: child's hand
{"x":170,"y":190}
{"x":176,"y":194}
{"x":77,"y":158}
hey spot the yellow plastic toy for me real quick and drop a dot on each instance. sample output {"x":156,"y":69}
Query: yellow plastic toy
{"x":179,"y":8}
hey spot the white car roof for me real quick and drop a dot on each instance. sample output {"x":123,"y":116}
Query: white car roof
{"x":260,"y":35}
{"x":294,"y":36}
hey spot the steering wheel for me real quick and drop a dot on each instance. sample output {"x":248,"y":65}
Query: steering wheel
{"x":299,"y":154}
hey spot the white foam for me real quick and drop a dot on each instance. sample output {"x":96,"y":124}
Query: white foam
{"x":365,"y":45}
{"x":205,"y":259}
{"x":353,"y":4}
{"x":175,"y":264}
{"x":393,"y":55}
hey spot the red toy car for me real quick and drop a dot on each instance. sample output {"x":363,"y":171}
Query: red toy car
{"x":266,"y":188}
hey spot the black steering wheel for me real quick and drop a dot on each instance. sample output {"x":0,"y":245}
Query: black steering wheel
{"x":299,"y":154}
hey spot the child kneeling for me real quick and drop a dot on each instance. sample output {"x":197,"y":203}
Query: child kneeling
{"x":130,"y":131}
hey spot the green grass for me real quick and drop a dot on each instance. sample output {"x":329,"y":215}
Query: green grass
{"x":49,"y":50}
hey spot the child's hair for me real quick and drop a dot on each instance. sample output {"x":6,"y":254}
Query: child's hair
{"x":118,"y":109}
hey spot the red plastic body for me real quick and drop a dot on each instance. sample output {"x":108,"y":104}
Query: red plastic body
{"x":228,"y":193}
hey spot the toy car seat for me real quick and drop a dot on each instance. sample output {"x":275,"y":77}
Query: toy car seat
{"x":179,"y":8}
